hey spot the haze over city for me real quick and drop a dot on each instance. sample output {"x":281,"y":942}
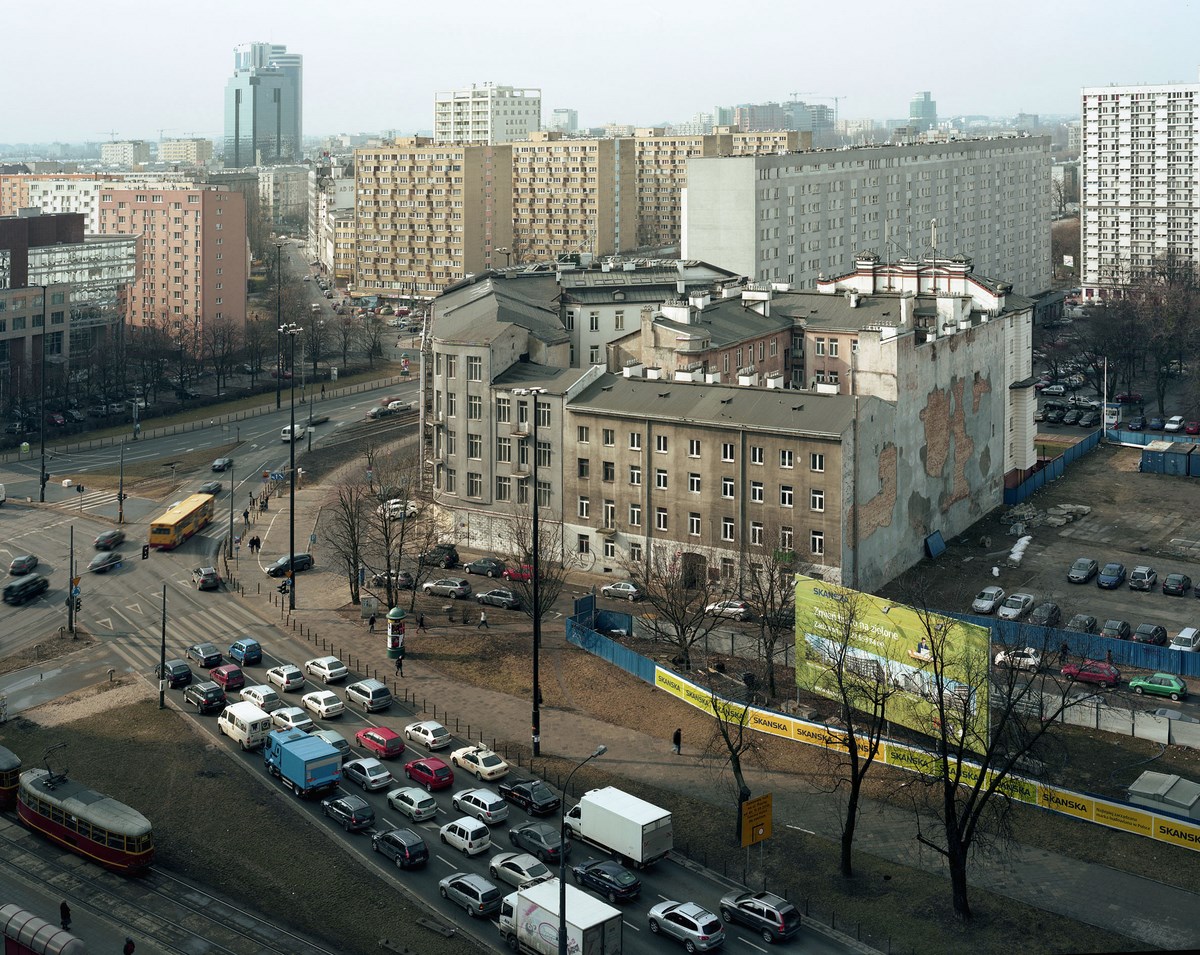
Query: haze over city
{"x":372,"y":67}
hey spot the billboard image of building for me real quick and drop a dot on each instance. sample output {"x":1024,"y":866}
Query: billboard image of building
{"x":887,"y":642}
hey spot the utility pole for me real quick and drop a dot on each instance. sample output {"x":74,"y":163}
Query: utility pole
{"x":71,"y":589}
{"x":121,"y":487}
{"x":162,"y":655}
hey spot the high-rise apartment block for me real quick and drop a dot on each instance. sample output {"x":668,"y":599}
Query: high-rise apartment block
{"x":922,"y":111}
{"x":127,"y":153}
{"x":192,"y":253}
{"x":573,"y":195}
{"x":1139,"y":200}
{"x":797,"y":217}
{"x":264,"y":102}
{"x":427,"y":214}
{"x":486,"y":115}
{"x":193,"y":152}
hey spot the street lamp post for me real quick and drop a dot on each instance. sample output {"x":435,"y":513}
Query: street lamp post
{"x":507,"y":253}
{"x":279,"y":321}
{"x":292,"y":331}
{"x":42,"y":401}
{"x":536,"y":574}
{"x":562,"y":853}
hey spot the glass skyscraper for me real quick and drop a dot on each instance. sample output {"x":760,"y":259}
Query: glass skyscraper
{"x":264,"y":102}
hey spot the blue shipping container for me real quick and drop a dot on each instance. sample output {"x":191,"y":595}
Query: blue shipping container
{"x":1194,"y":464}
{"x":1175,"y":459}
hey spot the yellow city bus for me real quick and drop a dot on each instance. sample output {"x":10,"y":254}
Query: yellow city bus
{"x":181,"y":520}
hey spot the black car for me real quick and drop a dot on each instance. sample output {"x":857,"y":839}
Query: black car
{"x":403,"y":846}
{"x":207,"y":697}
{"x":280,"y":567}
{"x":611,"y":879}
{"x":499,"y":598}
{"x":487,"y":566}
{"x":210,"y":487}
{"x":1045,"y":615}
{"x":1054,"y":417}
{"x":21,"y":566}
{"x":401,"y":579}
{"x":222,"y":464}
{"x":206,"y":655}
{"x":773,"y":917}
{"x":176,"y":673}
{"x":532,"y":795}
{"x":105,"y":561}
{"x":108,"y":540}
{"x":353,"y":812}
{"x":1089,"y":419}
{"x":1176,"y":585}
{"x":1071,"y":417}
{"x":1116,"y":630}
{"x":1150,"y":633}
{"x":440,"y":555}
{"x":1082,"y":623}
{"x":539,"y":838}
{"x":1136,"y":423}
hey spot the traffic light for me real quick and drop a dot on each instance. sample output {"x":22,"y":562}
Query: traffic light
{"x":78,"y":604}
{"x":145,"y":552}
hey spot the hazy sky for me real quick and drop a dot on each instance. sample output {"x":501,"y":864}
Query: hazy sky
{"x":79,"y":69}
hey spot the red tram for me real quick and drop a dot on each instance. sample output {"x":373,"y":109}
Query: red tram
{"x":86,"y":822}
{"x":10,"y":772}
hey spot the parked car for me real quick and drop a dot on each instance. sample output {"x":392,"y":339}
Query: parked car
{"x":403,"y":846}
{"x":1192,"y":427}
{"x":1102,"y":674}
{"x":1055,"y":389}
{"x":1143,"y":578}
{"x":487,"y":566}
{"x":987,"y":600}
{"x":1136,"y":423}
{"x":1187,"y":640}
{"x":483,"y":804}
{"x":368,"y":772}
{"x":440,"y":555}
{"x":399,"y":508}
{"x":1111,"y":576}
{"x":1083,"y":570}
{"x":452,"y":587}
{"x":611,"y":879}
{"x":1176,"y":585}
{"x":353,"y":812}
{"x":401,"y":580}
{"x":731,"y":609}
{"x":286,"y":676}
{"x":1047,"y":614}
{"x":23,"y":565}
{"x":624,"y":590}
{"x":1130,"y":398}
{"x":1157,"y":423}
{"x":109,"y":540}
{"x":532,"y":795}
{"x":1174,"y":423}
{"x":430,"y":772}
{"x":301,"y":563}
{"x":328,"y":669}
{"x":1027,"y":658}
{"x":1015,"y":606}
{"x":414,"y":803}
{"x":480,"y":762}
{"x":1116,"y":630}
{"x":1160,"y":684}
{"x":775,"y":919}
{"x":540,"y":838}
{"x":429,"y":732}
{"x":517,"y":868}
{"x":522,"y":573}
{"x":473,"y":892}
{"x":692,"y":925}
{"x":1150,"y":633}
{"x":1089,"y":419}
{"x":206,"y":655}
{"x":1082,"y":623}
{"x":323,"y":703}
{"x":499,"y":597}
{"x":1071,"y":417}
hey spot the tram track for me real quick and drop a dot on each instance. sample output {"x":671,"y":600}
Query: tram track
{"x":158,"y":906}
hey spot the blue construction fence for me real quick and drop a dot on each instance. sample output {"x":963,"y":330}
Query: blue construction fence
{"x":581,"y":632}
{"x":1118,"y":436}
{"x":1051,"y":471}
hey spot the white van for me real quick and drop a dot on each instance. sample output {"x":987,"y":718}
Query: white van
{"x":265,"y":698}
{"x":288,"y":434}
{"x":1187,"y":639}
{"x":245,"y":723}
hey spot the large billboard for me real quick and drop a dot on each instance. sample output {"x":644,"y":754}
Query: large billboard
{"x":889,"y":643}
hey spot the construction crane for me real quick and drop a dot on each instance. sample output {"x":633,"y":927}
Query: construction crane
{"x":837,"y":100}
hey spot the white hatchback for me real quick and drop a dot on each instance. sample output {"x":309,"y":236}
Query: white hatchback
{"x":292,"y":718}
{"x":329,"y":669}
{"x":483,"y":804}
{"x":323,"y":703}
{"x":469,"y":835}
{"x":433,"y":734}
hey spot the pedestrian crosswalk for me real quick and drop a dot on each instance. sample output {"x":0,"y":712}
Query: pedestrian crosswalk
{"x":88,"y":500}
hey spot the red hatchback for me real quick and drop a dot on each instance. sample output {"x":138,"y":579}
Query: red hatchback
{"x":381,"y":741}
{"x":229,"y":676}
{"x":523,"y":572}
{"x":1102,"y":674}
{"x":430,"y":772}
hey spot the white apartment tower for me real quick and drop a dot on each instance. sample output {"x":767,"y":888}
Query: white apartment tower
{"x":1139,"y":198}
{"x":486,"y":115}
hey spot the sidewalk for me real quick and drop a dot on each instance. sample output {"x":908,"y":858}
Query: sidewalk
{"x":1156,"y":914}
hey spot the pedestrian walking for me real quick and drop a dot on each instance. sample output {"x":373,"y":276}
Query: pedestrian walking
{"x":677,"y":741}
{"x":421,"y":623}
{"x":129,"y":946}
{"x":1108,"y":657}
{"x":64,"y":915}
{"x":1064,"y":651}
{"x":246,"y":517}
{"x":483,"y":621}
{"x":322,"y":391}
{"x":371,"y":624}
{"x":400,"y":662}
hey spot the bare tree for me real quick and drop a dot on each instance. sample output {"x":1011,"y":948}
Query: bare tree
{"x":769,"y":585}
{"x":346,"y":513}
{"x":221,"y":341}
{"x":373,"y":330}
{"x":315,"y":340}
{"x":392,"y":518}
{"x":732,"y":742}
{"x":345,"y":334}
{"x":553,"y":561}
{"x":258,"y":339}
{"x":678,"y":595}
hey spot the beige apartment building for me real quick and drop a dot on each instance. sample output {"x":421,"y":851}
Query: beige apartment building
{"x":192,"y":253}
{"x":572,"y":196}
{"x":193,"y":152}
{"x":429,"y":214}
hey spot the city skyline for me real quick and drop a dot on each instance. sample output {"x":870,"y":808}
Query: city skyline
{"x":389,"y":79}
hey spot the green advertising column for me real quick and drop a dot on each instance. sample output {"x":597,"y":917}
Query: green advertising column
{"x":395,"y":632}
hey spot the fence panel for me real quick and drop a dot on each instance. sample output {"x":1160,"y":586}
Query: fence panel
{"x":628,"y":660}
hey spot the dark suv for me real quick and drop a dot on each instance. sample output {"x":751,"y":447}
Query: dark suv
{"x":177,"y":673}
{"x":280,"y":567}
{"x":207,"y":697}
{"x":772,"y":917}
{"x":402,"y":846}
{"x":440,"y":555}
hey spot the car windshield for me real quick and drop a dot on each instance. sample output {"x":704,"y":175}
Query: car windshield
{"x":441,"y":772}
{"x":1081,"y":565}
{"x":1112,"y":569}
{"x":623,"y":877}
{"x":491,"y":760}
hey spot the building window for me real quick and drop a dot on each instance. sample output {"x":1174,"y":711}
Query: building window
{"x":693,"y":483}
{"x":785,"y":495}
{"x":543,"y":493}
{"x":503,"y":489}
{"x":451,"y":366}
{"x":581,"y":433}
{"x":610,"y":513}
{"x":585,"y":507}
{"x":786,"y":458}
{"x":593,"y":321}
{"x":523,"y":491}
{"x":609,"y":471}
{"x":474,"y":484}
{"x":816,"y":462}
{"x":504,"y":410}
{"x":694,"y":524}
{"x":727,"y":567}
{"x":660,"y":479}
{"x":756,"y":533}
{"x":757,"y":455}
{"x":693,"y":448}
{"x":833,"y":348}
{"x":819,"y":346}
{"x":593,"y":354}
{"x":504,"y":450}
{"x":726,"y":528}
{"x":522,"y":414}
{"x":451,"y":481}
{"x":635,"y":441}
{"x":619,"y":321}
{"x":635,"y":552}
{"x":543,"y":414}
{"x":635,"y":515}
{"x":474,"y":408}
{"x":451,"y":443}
{"x":727,"y":487}
{"x":474,"y":445}
{"x":585,"y":467}
{"x":816,"y":543}
{"x":584,"y":544}
{"x":726,"y":453}
{"x":660,"y":444}
{"x":610,"y":549}
{"x":816,"y":499}
{"x":543,"y":454}
{"x":451,"y":404}
{"x":610,"y":437}
{"x":474,"y":368}
{"x":785,"y":538}
{"x":635,"y":475}
{"x":660,"y":518}
{"x":757,"y":495}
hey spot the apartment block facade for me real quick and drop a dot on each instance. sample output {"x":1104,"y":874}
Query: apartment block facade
{"x":486,"y":115}
{"x":428,"y":214}
{"x":129,"y":153}
{"x":798,"y":217}
{"x":192,"y":250}
{"x":1138,"y":193}
{"x":192,"y":152}
{"x":572,"y":195}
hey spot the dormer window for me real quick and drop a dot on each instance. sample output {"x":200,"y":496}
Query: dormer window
{"x":618,"y":296}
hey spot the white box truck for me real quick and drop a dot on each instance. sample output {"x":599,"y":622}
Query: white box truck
{"x":529,"y":922}
{"x":637,"y":831}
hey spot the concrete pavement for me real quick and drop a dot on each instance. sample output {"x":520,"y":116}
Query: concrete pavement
{"x":1143,"y":909}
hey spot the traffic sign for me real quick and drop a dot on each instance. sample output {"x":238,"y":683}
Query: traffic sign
{"x":756,"y":820}
{"x":276,"y":475}
{"x":74,"y":591}
{"x":75,"y":581}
